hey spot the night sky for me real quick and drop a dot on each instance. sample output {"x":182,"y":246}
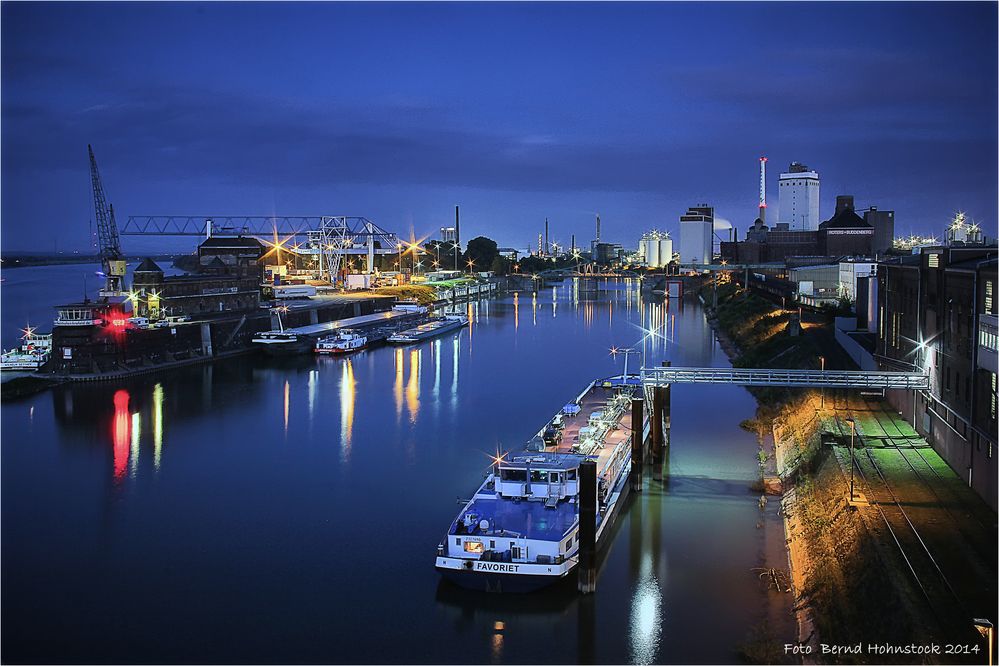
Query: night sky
{"x":514,"y":111}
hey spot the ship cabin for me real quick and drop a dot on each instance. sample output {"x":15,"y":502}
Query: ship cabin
{"x":545,"y":476}
{"x":525,"y":512}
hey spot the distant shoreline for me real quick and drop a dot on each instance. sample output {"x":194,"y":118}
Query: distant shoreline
{"x":22,"y":261}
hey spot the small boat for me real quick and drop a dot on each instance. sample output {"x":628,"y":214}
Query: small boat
{"x":34,"y":351}
{"x":432,"y":328}
{"x":520,"y":530}
{"x":344,"y":342}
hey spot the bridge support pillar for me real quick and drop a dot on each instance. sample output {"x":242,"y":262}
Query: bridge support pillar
{"x":658,"y":438}
{"x":587,"y":526}
{"x":667,"y":411}
{"x":637,"y":443}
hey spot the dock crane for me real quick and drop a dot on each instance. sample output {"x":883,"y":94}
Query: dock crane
{"x":109,"y":243}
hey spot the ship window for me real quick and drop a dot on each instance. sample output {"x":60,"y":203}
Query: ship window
{"x":538,"y":476}
{"x":492,"y":545}
{"x":513,"y":474}
{"x":457,"y":541}
{"x":571,"y":475}
{"x":473,"y":547}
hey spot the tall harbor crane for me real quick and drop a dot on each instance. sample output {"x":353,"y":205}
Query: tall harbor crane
{"x":109,"y":244}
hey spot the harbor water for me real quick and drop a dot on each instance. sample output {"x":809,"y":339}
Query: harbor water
{"x":289,"y":509}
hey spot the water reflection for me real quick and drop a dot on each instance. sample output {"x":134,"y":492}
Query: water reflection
{"x":157,"y":425}
{"x":397,"y":386}
{"x":413,"y":385}
{"x":120,"y":434}
{"x":133,"y":462}
{"x":287,"y":405}
{"x":347,"y":396}
{"x":646,"y":621}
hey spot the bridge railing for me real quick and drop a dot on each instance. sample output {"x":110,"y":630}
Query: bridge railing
{"x":858,"y":379}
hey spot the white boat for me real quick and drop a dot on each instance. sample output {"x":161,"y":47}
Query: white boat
{"x":520,"y":530}
{"x":344,"y":342}
{"x":34,"y":351}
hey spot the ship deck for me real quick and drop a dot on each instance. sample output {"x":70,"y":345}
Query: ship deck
{"x":517,"y":519}
{"x":596,"y":399}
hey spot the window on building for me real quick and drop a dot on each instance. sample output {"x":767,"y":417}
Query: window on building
{"x":988,"y":297}
{"x":934,"y":260}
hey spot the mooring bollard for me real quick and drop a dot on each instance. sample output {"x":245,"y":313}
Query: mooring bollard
{"x":587,"y":526}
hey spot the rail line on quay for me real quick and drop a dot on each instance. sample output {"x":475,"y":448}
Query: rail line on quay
{"x":921,"y":563}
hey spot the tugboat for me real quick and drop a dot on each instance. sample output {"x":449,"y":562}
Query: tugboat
{"x":520,"y":530}
{"x":34,"y":351}
{"x":432,"y":328}
{"x":344,"y":342}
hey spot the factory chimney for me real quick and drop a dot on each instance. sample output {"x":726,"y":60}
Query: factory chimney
{"x":763,"y":189}
{"x":547,"y":245}
{"x":598,"y":227}
{"x":457,"y":227}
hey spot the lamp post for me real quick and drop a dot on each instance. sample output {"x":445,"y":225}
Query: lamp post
{"x":985,"y":628}
{"x":822,"y":362}
{"x":853,"y":434}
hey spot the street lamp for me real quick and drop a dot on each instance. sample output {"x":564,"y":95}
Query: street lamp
{"x":471,"y":263}
{"x":853,"y":434}
{"x":985,"y":628}
{"x":822,"y":361}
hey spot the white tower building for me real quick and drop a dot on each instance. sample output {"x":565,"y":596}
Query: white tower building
{"x":696,"y":234}
{"x":799,"y":198}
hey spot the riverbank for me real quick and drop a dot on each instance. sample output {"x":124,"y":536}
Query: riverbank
{"x":853,"y":580}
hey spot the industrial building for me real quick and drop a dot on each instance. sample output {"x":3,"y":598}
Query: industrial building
{"x":844,"y":234}
{"x":937,"y":312}
{"x":655,"y":249}
{"x":798,"y":200}
{"x":218,"y":288}
{"x":696,"y":235}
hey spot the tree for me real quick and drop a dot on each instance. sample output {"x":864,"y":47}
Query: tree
{"x":482,"y":251}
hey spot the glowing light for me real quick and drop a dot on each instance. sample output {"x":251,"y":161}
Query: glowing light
{"x":157,"y":424}
{"x":348,"y":390}
{"x":413,"y":385}
{"x":120,"y":433}
{"x":287,"y":404}
{"x":133,"y":464}
{"x":400,"y":366}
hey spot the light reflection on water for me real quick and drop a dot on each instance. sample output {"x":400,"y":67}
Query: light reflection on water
{"x":223,"y":418}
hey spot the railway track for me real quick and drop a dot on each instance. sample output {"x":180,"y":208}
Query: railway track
{"x":939,"y":573}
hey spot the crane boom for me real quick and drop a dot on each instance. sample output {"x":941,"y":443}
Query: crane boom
{"x":109,"y":243}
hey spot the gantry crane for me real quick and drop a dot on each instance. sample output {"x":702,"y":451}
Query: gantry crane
{"x":109,"y":244}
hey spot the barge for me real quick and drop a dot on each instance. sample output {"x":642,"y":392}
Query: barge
{"x":520,"y":530}
{"x":430,"y":329}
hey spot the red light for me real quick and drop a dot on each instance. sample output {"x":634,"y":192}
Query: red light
{"x":120,"y":435}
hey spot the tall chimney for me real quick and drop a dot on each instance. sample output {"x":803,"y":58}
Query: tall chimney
{"x":598,"y":227}
{"x":547,"y":244}
{"x":573,"y":249}
{"x":457,"y":227}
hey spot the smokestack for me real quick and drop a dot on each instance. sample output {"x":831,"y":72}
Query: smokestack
{"x":763,"y":189}
{"x":457,"y":227}
{"x":573,"y":249}
{"x":547,"y":245}
{"x":598,"y":227}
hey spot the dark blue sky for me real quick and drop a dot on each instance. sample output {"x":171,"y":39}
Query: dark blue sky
{"x":514,"y":111}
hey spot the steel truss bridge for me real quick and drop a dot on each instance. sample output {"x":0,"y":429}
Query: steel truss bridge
{"x":848,"y":379}
{"x":330,"y":238}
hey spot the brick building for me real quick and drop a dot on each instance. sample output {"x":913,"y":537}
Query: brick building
{"x":934,"y":312}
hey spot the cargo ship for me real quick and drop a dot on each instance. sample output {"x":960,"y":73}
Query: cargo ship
{"x":520,"y":530}
{"x":429,"y":330}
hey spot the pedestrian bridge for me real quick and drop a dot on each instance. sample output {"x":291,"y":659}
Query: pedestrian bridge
{"x":850,"y":379}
